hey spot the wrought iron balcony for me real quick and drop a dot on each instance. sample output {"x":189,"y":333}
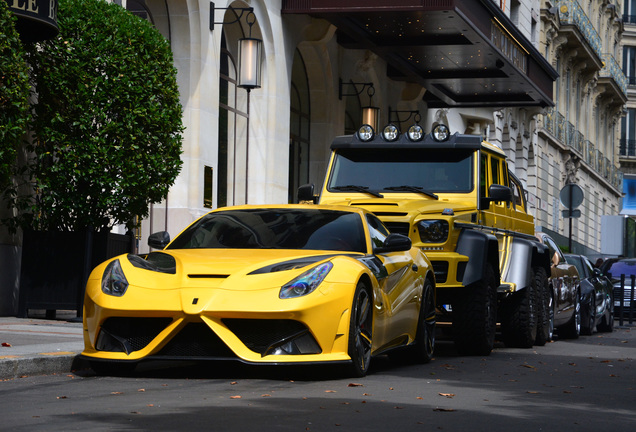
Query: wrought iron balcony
{"x":627,"y":148}
{"x":611,"y":69}
{"x":571,"y":12}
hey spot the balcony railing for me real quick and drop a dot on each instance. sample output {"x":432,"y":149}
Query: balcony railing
{"x":629,"y":19}
{"x":555,"y":123}
{"x":627,"y":148}
{"x":571,"y":12}
{"x":611,"y":69}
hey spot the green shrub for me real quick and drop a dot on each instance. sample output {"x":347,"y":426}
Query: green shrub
{"x":14,"y":94}
{"x":107,"y":122}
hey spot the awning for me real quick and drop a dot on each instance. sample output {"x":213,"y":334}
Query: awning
{"x":466,"y":53}
{"x":37,"y":19}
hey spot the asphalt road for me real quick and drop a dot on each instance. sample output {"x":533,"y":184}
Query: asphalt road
{"x":587,"y":384}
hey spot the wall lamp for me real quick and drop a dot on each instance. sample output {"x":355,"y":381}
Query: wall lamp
{"x":397,"y":119}
{"x":370,"y":113}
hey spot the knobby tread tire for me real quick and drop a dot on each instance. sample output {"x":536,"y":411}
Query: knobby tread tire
{"x":475,"y":317}
{"x":545,"y":308}
{"x":519,"y":321}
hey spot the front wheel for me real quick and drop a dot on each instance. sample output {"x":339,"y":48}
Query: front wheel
{"x":475,"y":316}
{"x":360,"y":330}
{"x":607,"y":323}
{"x":519,"y":323}
{"x":543,"y":292}
{"x":588,"y":316}
{"x":572,"y":329}
{"x":425,"y":338}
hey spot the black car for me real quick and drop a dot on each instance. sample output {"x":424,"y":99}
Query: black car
{"x":597,"y":305}
{"x":614,"y":269}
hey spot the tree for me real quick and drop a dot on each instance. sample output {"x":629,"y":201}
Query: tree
{"x":14,"y":94}
{"x":107,"y":121}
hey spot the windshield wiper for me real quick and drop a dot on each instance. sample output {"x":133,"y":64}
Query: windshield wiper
{"x":363,"y":189}
{"x":416,"y":189}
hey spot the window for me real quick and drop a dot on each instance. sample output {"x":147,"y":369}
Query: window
{"x":299,"y":128}
{"x":377,"y":231}
{"x":629,"y":64}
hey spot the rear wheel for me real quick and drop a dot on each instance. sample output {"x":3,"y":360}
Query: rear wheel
{"x":360,"y":330}
{"x":475,"y":316}
{"x":425,"y":338}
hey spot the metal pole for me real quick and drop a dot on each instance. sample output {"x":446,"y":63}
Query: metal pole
{"x":247,"y":145}
{"x":570,"y":211}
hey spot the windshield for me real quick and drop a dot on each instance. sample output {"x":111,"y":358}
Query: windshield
{"x":275,"y":229}
{"x":390,"y":170}
{"x":627,"y":268}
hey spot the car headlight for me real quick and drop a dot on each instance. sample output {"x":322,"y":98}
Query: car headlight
{"x":113,"y":281}
{"x":433,"y":231}
{"x":306,"y":282}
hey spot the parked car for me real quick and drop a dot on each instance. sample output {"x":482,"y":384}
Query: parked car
{"x":597,"y":304}
{"x":614,"y":268}
{"x":565,"y":301}
{"x":264,"y":285}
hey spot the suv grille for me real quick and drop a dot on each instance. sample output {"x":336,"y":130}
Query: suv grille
{"x":398,"y":227}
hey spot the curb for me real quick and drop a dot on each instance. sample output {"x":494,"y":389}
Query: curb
{"x":22,"y":366}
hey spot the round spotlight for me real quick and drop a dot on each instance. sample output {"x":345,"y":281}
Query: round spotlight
{"x":415,"y":133}
{"x":441,"y":132}
{"x":365,"y":133}
{"x":391,"y":133}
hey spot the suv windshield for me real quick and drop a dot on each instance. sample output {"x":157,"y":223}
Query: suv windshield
{"x":618,"y":268}
{"x":398,"y":170}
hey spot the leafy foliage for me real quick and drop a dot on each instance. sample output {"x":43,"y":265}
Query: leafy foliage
{"x":14,"y":94}
{"x":107,"y":122}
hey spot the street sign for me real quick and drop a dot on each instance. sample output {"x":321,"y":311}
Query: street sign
{"x":571,"y":195}
{"x":571,"y":213}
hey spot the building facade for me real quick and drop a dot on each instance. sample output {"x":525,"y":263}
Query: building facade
{"x":538,"y":78}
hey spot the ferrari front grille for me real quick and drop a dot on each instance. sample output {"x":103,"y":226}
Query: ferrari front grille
{"x":196,"y":340}
{"x":126,"y":334}
{"x":273,"y":336}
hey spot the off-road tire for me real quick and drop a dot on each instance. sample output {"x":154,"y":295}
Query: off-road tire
{"x":475,"y":316}
{"x":519,"y":320}
{"x":545,"y":307}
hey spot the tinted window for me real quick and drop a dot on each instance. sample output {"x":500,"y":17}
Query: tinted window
{"x":377,"y":231}
{"x":275,"y":229}
{"x":434,"y":170}
{"x":619,"y":268}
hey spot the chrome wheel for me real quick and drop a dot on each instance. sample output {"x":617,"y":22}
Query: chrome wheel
{"x":361,"y":330}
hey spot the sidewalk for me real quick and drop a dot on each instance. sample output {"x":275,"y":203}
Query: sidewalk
{"x":36,"y":346}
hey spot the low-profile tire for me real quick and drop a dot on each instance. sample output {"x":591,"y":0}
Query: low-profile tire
{"x":545,"y":307}
{"x":116,"y":369}
{"x":588,"y":316}
{"x":425,"y":337}
{"x":572,"y":329}
{"x":606,"y":325}
{"x":475,"y":316}
{"x":360,"y":330}
{"x":519,"y":321}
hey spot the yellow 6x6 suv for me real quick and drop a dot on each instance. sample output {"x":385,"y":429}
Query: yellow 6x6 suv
{"x":455,"y":197}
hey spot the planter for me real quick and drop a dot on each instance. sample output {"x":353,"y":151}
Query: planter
{"x":56,"y":266}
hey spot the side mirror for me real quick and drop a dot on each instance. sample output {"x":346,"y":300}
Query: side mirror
{"x":306,"y":193}
{"x":496,"y":193}
{"x":159,"y":240}
{"x":394,"y":243}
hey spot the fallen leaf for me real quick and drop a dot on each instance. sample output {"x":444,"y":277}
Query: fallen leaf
{"x":419,"y":397}
{"x":150,"y":405}
{"x":330,"y":391}
{"x":355,"y":385}
{"x":443,"y":409}
{"x":266,"y":395}
{"x":233,"y":383}
{"x":399,"y":407}
{"x":532,"y":392}
{"x":235,"y":397}
{"x":141,"y":390}
{"x":116,"y":393}
{"x":567,"y":391}
{"x":606,"y":361}
{"x":390,"y":388}
{"x":528,"y":366}
{"x":62,"y":397}
{"x":448,"y":395}
{"x":366,"y":394}
{"x":5,"y":344}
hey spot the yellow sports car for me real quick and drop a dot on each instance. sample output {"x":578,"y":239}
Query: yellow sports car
{"x":264,"y":284}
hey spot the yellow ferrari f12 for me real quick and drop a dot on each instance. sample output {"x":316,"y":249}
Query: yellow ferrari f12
{"x":267,"y":284}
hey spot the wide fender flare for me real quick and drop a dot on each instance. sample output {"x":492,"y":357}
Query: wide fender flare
{"x":482,"y":250}
{"x":525,"y":254}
